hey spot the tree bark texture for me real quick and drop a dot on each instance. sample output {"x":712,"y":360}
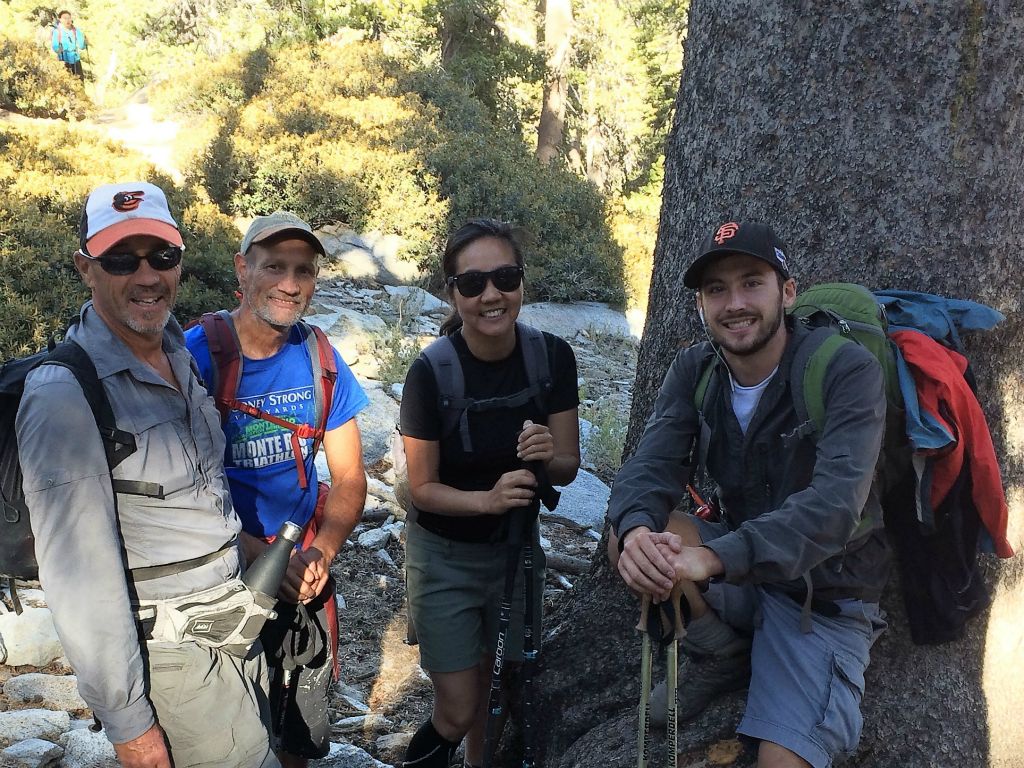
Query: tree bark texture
{"x":558,"y":46}
{"x":884,"y":142}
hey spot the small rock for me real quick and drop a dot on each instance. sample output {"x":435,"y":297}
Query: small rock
{"x":347,"y":756}
{"x":595,"y":535}
{"x":33,"y":753}
{"x":29,"y":639}
{"x":58,"y":692}
{"x":369,"y":722}
{"x":396,"y":391}
{"x":87,"y":749}
{"x":340,"y":600}
{"x":383,"y":555}
{"x":395,"y":529}
{"x":355,"y":704}
{"x":393,"y":741}
{"x":413,"y":300}
{"x":375,"y":538}
{"x":33,"y":724}
{"x":344,"y":689}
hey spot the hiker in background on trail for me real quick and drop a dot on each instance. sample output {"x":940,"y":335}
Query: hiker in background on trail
{"x":283,"y":391}
{"x":783,"y":585}
{"x":163,"y":696}
{"x":68,"y":41}
{"x":468,"y":482}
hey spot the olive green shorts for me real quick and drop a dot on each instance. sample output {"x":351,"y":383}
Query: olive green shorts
{"x":212,"y":706}
{"x":455,"y":590}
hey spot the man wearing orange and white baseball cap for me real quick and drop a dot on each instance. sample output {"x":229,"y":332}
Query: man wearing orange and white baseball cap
{"x":118,"y":548}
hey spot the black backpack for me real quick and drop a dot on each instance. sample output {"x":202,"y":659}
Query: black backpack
{"x":17,"y":545}
{"x":451,"y":383}
{"x":444,"y":363}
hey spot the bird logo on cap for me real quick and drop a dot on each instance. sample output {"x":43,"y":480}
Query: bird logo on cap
{"x":128,"y":201}
{"x":726,"y":231}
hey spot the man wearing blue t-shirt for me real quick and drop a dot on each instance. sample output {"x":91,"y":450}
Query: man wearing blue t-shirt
{"x":277,"y":269}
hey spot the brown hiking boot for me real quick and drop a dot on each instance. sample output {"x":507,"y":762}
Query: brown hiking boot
{"x":700,"y":681}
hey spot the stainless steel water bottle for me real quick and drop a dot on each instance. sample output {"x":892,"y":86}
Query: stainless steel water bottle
{"x":266,"y":573}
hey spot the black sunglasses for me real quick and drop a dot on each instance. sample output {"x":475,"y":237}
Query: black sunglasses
{"x":161,"y":260}
{"x":472,"y":284}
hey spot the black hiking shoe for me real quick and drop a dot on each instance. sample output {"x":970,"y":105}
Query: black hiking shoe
{"x":701,"y":680}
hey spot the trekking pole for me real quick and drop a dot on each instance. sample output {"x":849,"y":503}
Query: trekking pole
{"x":676,"y":614}
{"x":645,"y":684}
{"x":494,"y":705}
{"x":529,"y":650}
{"x":672,"y":675}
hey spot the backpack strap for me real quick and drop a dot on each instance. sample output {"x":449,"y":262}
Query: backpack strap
{"x":451,"y":388}
{"x":225,"y":359}
{"x":807,"y":377}
{"x":117,"y":444}
{"x":700,"y":394}
{"x":325,"y":376}
{"x":443,"y":359}
{"x":535,"y":360}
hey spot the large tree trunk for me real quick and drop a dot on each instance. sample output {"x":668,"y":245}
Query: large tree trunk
{"x":883,"y":141}
{"x":557,"y":45}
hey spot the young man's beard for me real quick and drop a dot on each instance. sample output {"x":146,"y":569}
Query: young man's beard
{"x":752,"y":346}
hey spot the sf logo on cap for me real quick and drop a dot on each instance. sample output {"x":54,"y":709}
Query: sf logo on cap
{"x":128,"y":201}
{"x":726,"y":231}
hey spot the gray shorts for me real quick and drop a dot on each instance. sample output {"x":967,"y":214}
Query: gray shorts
{"x":805,"y":688}
{"x":455,"y":589}
{"x":211,"y":705}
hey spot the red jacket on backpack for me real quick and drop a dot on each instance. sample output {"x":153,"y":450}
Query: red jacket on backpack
{"x":944,"y":393}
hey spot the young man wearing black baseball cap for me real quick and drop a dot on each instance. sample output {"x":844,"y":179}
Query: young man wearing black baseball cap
{"x":784,"y":586}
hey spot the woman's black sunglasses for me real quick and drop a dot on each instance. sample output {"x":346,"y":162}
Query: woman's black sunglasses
{"x":121,"y":264}
{"x":472,"y":284}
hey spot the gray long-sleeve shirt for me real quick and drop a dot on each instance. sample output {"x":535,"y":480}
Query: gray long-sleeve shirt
{"x":85,"y":533}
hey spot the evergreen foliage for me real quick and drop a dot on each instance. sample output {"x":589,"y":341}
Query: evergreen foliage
{"x":34,"y":83}
{"x":45,"y":175}
{"x":342,"y":133}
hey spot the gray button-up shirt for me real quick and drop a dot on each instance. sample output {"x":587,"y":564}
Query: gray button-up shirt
{"x":86,"y":535}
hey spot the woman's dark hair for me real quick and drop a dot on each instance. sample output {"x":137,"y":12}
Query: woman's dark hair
{"x":470,"y":232}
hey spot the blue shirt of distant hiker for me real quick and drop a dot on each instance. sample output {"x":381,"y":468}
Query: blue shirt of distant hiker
{"x":67,"y":43}
{"x":258,"y":458}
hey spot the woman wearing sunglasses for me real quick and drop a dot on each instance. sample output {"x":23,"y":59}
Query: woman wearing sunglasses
{"x":465,"y":500}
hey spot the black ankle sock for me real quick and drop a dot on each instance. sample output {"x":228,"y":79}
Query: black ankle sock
{"x":429,"y":749}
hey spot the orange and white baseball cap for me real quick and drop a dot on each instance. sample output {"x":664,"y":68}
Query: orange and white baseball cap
{"x":114,"y":212}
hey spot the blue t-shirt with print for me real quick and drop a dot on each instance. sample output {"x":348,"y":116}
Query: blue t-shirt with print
{"x":258,"y":459}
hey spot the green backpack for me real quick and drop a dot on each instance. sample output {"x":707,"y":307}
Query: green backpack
{"x":853,"y":311}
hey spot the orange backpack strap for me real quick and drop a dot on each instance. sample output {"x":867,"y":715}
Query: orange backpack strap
{"x":226,"y":359}
{"x":325,"y":375}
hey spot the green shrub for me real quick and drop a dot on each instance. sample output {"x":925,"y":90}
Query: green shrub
{"x":395,"y":349}
{"x":34,"y":83}
{"x":45,"y":175}
{"x":607,"y":436}
{"x":343,"y":134}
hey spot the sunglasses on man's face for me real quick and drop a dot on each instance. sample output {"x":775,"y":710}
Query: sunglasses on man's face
{"x":121,"y":264}
{"x":472,"y":284}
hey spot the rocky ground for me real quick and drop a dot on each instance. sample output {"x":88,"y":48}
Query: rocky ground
{"x":383,"y":695}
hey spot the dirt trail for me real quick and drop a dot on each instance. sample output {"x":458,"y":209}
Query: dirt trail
{"x":131,"y":124}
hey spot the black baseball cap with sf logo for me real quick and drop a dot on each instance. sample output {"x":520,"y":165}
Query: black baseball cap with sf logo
{"x":751,"y":238}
